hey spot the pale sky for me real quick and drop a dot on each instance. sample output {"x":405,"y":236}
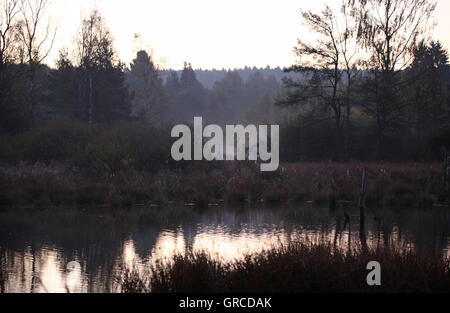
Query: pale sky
{"x":207,"y":33}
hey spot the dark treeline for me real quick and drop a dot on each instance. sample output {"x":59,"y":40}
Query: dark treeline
{"x":371,"y":87}
{"x":374,"y":85}
{"x":209,"y":77}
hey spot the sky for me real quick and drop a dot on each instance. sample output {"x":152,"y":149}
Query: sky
{"x":207,"y":33}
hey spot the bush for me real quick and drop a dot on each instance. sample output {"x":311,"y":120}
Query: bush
{"x":59,"y":139}
{"x":103,"y":149}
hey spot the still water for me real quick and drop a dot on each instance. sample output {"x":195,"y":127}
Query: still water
{"x":73,"y":250}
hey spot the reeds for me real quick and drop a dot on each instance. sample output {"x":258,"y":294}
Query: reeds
{"x":237,"y":183}
{"x":296,"y":268}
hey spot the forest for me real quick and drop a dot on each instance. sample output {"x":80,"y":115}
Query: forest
{"x":365,"y":90}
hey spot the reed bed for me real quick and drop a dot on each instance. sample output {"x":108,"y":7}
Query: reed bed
{"x":389,"y":185}
{"x":295,"y":268}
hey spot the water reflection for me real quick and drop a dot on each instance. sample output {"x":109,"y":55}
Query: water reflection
{"x":42,"y":271}
{"x":79,"y":252}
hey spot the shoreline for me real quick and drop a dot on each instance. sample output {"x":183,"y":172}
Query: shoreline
{"x":393,"y":185}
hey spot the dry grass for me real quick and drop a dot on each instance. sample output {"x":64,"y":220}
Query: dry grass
{"x":389,"y":184}
{"x":297,"y":268}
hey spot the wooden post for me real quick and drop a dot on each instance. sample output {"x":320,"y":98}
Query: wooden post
{"x":447,"y":169}
{"x":362,"y":199}
{"x":362,"y":207}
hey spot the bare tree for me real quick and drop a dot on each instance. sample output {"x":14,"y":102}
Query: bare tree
{"x":37,"y":44}
{"x":329,"y":65}
{"x":349,"y":48}
{"x":94,"y":51}
{"x":350,"y":55}
{"x":389,"y":31}
{"x":10,"y":10}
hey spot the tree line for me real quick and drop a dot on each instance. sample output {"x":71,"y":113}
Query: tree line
{"x":91,"y":84}
{"x":371,"y":84}
{"x":373,"y":68}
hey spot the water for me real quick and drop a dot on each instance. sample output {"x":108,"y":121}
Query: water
{"x":73,"y":250}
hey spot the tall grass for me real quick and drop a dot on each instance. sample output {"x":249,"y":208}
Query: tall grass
{"x":296,"y":268}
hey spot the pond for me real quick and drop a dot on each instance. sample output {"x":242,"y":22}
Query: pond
{"x":85,"y":250}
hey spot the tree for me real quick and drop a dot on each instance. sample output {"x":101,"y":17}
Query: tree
{"x":229,"y":93}
{"x":63,"y":83}
{"x":9,"y":13}
{"x":149,"y":101}
{"x":12,"y":115}
{"x":172,"y":84}
{"x":426,"y":93}
{"x":260,"y":94}
{"x":102,"y":95}
{"x":190,"y":98}
{"x":36,"y":44}
{"x":322,"y":64}
{"x":389,"y":31}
